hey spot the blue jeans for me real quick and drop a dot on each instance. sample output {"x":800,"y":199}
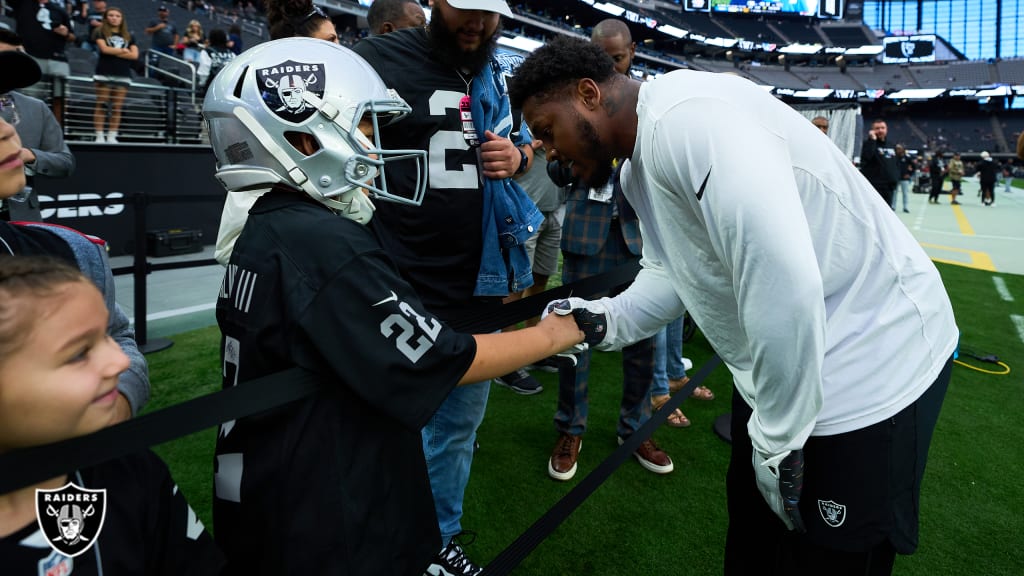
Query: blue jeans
{"x":668,"y":358}
{"x":448,"y":446}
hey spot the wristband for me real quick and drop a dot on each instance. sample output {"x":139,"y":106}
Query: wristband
{"x":523,"y":162}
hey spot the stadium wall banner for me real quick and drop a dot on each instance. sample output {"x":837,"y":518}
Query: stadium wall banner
{"x":168,"y":175}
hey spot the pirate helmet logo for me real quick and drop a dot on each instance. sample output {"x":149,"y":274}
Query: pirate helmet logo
{"x":908,"y":48}
{"x":284,"y":86}
{"x":833,"y":514}
{"x":71,"y":517}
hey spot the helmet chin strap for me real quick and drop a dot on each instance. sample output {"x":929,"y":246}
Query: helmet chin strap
{"x":359,"y":207}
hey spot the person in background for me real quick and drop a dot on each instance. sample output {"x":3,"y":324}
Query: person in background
{"x":905,"y":167}
{"x":164,"y":34}
{"x":878,"y":161}
{"x":43,"y":149}
{"x":45,"y":29}
{"x":389,"y":15}
{"x":214,"y":57}
{"x":542,"y":248}
{"x":464,"y":249}
{"x":936,"y":175}
{"x":821,"y":123}
{"x":804,"y":283}
{"x":956,"y":171}
{"x":93,"y":19}
{"x":193,"y":40}
{"x":235,"y":39}
{"x":113,"y":72}
{"x":600,"y":233}
{"x":988,"y":173}
{"x":289,"y":18}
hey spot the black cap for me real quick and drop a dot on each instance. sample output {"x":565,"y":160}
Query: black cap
{"x":19,"y":71}
{"x":162,"y":8}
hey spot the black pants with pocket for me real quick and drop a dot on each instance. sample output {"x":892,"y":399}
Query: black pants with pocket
{"x":860,"y":499}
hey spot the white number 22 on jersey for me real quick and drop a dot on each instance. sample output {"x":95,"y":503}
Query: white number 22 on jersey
{"x":411,"y":340}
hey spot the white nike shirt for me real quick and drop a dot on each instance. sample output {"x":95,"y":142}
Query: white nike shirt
{"x":827,"y":312}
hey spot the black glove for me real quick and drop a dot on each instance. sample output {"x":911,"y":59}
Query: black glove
{"x":589,"y":315}
{"x":781,"y":480}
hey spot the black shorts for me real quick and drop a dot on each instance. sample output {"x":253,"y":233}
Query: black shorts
{"x":861,"y":488}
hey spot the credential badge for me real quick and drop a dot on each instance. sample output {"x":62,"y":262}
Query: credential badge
{"x":833,"y":514}
{"x":71,"y":517}
{"x":284,"y":86}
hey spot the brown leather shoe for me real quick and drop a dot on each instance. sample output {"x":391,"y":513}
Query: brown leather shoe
{"x":675,"y":385}
{"x":652,"y":457}
{"x":562,"y":464}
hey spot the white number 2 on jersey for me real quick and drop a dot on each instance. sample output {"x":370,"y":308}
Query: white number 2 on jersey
{"x":468,"y":177}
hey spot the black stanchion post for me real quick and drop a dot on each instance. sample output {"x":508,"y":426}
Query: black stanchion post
{"x":140,"y":265}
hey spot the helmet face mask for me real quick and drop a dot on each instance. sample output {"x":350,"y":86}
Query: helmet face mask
{"x":259,"y":102}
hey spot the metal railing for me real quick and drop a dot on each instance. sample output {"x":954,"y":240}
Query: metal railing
{"x":152,"y":113}
{"x":160,"y":65}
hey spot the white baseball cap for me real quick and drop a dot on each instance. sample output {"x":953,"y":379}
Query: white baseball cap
{"x":499,"y":6}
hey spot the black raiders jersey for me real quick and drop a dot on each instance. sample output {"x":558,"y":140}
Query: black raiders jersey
{"x":335,"y":483}
{"x":148,"y":528}
{"x":437,"y":245}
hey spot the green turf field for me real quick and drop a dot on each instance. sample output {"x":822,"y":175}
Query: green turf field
{"x":640,"y":523}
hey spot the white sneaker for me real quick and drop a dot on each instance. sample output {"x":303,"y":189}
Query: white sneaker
{"x":100,"y":138}
{"x":112,"y":138}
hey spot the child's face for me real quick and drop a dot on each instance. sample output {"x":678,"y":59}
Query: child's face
{"x":62,"y":382}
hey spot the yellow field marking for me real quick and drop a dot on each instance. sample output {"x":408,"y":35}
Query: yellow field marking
{"x":979,"y":260}
{"x":961,"y":221}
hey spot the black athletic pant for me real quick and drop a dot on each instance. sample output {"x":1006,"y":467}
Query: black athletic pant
{"x":859,"y":501}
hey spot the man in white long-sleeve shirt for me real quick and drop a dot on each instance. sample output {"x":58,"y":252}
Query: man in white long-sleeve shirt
{"x":833,"y":321}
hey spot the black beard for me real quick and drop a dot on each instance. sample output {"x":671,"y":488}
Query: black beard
{"x":594,"y":150}
{"x":445,"y":44}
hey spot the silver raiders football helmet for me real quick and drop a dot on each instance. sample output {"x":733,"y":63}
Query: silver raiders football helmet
{"x":305,"y":85}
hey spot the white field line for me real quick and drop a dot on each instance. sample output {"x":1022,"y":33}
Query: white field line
{"x":1018,"y":321}
{"x":1001,"y":288}
{"x":177,"y":312}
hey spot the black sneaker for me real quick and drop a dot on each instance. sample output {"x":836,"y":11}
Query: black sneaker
{"x":452,"y":561}
{"x":548,"y":364}
{"x":520,"y":382}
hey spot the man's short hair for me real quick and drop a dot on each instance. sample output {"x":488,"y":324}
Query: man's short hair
{"x":610,"y":28}
{"x":382,"y":11}
{"x":561,"y":62}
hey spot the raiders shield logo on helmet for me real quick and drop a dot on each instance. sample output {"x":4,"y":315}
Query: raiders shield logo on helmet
{"x":833,"y":514}
{"x":71,"y":517}
{"x":284,"y":87}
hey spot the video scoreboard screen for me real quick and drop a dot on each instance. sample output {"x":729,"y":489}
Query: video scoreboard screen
{"x":826,"y":9}
{"x":902,"y":49}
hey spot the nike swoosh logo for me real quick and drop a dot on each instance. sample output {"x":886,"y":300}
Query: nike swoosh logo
{"x":703,"y":185}
{"x":392,"y":298}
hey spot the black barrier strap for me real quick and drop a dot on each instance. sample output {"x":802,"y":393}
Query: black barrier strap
{"x":531,"y":306}
{"x":519,"y":549}
{"x":30,"y":465}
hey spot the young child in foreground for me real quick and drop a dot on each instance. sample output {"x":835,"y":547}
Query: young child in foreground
{"x":58,"y":380}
